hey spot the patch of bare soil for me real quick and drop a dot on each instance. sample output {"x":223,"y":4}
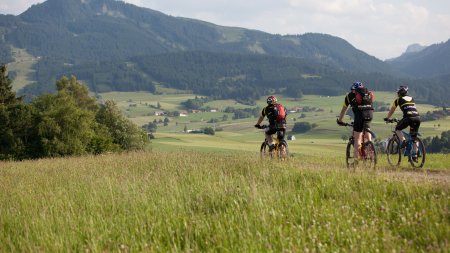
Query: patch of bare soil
{"x":442,"y":178}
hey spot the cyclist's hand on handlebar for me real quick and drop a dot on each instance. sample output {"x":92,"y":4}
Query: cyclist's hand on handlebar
{"x":386,"y":119}
{"x":258,"y":126}
{"x":340,"y":123}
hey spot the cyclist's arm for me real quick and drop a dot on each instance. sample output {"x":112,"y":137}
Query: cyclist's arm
{"x":261,"y":117}
{"x":392,"y":110}
{"x":342,"y":114}
{"x":260,"y":120}
{"x":344,"y":108}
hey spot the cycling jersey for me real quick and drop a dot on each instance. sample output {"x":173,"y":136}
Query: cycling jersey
{"x":361,"y":118}
{"x":407,"y":105}
{"x":269,"y":112}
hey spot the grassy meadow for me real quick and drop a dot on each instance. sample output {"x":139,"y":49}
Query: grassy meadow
{"x":159,"y":201}
{"x":203,"y":193}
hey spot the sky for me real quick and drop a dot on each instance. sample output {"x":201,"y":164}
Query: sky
{"x":381,"y":28}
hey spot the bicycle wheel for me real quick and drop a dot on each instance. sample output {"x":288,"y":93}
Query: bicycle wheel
{"x":393,"y":152}
{"x":264,"y":150}
{"x":417,"y":157}
{"x":350,"y":156}
{"x":369,"y":155}
{"x":282,"y":150}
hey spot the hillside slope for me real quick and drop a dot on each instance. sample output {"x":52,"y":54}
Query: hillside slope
{"x":432,"y":61}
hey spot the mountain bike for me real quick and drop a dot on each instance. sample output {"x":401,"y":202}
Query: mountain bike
{"x":280,"y":150}
{"x":414,"y":149}
{"x":367,"y":152}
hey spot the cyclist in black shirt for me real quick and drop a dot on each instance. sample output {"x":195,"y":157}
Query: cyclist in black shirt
{"x":363,"y":115}
{"x":411,"y":116}
{"x":277,"y":120}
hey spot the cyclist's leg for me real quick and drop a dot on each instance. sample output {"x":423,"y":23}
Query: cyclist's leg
{"x":402,"y":124}
{"x":281,"y":133}
{"x":367,"y":117}
{"x":414,"y":125}
{"x":358,"y":126}
{"x":367,"y":135}
{"x":269,"y":131}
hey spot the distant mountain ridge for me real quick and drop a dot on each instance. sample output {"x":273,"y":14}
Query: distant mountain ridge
{"x":105,"y":42}
{"x":425,"y":62}
{"x":81,"y":30}
{"x":414,"y":48}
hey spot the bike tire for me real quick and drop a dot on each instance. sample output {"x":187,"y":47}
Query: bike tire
{"x":419,"y":160}
{"x":283,"y":150}
{"x":370,"y":155}
{"x":393,"y":152}
{"x":349,"y":156}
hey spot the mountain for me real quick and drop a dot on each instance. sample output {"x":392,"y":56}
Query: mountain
{"x":414,"y":48}
{"x":112,"y":45}
{"x":83,"y":30}
{"x":431,"y":61}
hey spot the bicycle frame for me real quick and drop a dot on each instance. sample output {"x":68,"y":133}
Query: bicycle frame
{"x":367,"y":152}
{"x":280,"y":149}
{"x":414,"y":150}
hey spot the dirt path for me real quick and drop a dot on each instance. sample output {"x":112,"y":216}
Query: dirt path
{"x":419,"y":175}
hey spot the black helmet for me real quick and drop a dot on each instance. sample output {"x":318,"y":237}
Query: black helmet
{"x":402,"y":90}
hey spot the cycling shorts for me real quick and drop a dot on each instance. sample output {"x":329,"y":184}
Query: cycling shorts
{"x":362,"y":120}
{"x":279,"y":131}
{"x":412,"y":122}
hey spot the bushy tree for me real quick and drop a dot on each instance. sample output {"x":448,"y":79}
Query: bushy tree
{"x":66,"y":123}
{"x":124,"y":133}
{"x":7,"y":95}
{"x":303,"y":127}
{"x":63,"y":127}
{"x":209,"y":131}
{"x":16,"y":122}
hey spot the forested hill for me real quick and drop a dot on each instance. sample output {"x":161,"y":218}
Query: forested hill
{"x":229,"y":75}
{"x":80,"y":30}
{"x":111,"y":44}
{"x":432,"y":61}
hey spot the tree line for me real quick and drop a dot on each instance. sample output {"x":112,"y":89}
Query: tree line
{"x":68,"y":122}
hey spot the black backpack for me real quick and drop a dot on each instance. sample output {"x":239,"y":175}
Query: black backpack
{"x":364,"y":99}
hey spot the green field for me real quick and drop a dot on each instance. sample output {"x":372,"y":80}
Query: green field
{"x":190,"y":201}
{"x":23,"y":67}
{"x":324,"y":115}
{"x":213,"y":193}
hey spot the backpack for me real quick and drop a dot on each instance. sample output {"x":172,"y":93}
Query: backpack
{"x":364,"y":99}
{"x":279,"y":112}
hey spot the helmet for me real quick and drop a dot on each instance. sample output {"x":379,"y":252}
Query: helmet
{"x":271,"y":100}
{"x":356,"y":85}
{"x":402,"y":90}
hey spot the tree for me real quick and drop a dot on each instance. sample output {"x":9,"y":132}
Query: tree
{"x":63,"y":127}
{"x":303,"y":127}
{"x":7,"y":95}
{"x":209,"y":131}
{"x":16,"y":122}
{"x":79,"y":92}
{"x":124,"y":132}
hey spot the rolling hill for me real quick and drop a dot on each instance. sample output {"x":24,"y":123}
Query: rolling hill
{"x":428,"y":62}
{"x":111,"y":45}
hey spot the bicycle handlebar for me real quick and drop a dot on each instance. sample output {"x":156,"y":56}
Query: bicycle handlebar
{"x":261,"y":126}
{"x":394,"y":120}
{"x":345,"y":124}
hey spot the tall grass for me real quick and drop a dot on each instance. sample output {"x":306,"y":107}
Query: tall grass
{"x":196,"y":201}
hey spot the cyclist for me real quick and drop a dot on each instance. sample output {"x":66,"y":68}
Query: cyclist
{"x":362,"y":110}
{"x":276,"y":114}
{"x":411,"y":116}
